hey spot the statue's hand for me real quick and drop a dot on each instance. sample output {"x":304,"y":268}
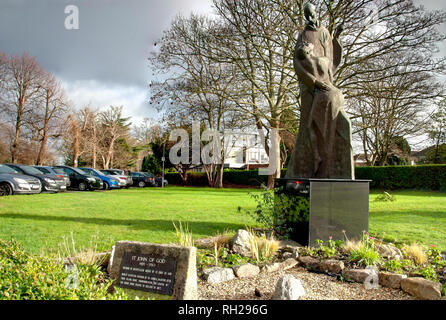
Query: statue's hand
{"x":322,"y":85}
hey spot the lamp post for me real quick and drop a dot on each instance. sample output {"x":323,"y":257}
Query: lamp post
{"x":163,"y":160}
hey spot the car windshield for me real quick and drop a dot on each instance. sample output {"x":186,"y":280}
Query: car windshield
{"x":44,"y":170}
{"x":6,"y":169}
{"x":88,"y":172}
{"x":31,"y":170}
{"x":80,"y":171}
{"x":59,"y":171}
{"x":148,"y":174}
{"x":106,"y":172}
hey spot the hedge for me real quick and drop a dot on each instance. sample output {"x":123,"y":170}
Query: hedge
{"x":425,"y":177}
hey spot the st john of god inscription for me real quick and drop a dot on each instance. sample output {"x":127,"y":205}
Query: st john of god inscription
{"x":146,"y":272}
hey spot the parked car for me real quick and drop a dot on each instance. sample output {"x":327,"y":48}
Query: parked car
{"x":12,"y":182}
{"x":81,"y":180}
{"x":109,"y":182}
{"x":158,"y":180}
{"x":56,"y":171}
{"x":141,"y":180}
{"x":49,"y":182}
{"x":124,"y":176}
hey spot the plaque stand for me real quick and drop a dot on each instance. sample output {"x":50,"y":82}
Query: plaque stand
{"x":323,"y":209}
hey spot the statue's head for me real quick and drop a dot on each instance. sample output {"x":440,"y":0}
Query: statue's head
{"x":310,"y":14}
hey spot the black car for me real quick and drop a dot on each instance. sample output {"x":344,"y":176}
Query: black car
{"x":141,"y":180}
{"x":158,"y":180}
{"x":50,"y":182}
{"x":56,"y":171}
{"x":81,"y":180}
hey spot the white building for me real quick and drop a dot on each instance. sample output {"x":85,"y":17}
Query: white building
{"x":243,"y":150}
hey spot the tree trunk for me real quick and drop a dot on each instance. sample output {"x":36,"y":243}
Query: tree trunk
{"x":274,"y":159}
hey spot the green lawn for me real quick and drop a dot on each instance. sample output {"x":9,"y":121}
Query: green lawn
{"x":40,"y":222}
{"x":414,"y":216}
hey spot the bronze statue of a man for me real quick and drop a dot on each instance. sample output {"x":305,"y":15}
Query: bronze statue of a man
{"x":323,"y":148}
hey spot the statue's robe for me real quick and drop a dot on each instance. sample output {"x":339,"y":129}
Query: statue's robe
{"x":323,"y":148}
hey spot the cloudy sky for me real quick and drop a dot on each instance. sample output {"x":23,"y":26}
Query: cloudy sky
{"x":105,"y":61}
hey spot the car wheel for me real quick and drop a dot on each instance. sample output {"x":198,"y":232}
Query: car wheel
{"x":5,"y":189}
{"x":106,"y":186}
{"x":82,"y":186}
{"x":141,"y":184}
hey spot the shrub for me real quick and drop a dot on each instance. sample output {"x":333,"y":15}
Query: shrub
{"x":184,"y":235}
{"x":425,"y":177}
{"x":81,"y":256}
{"x":415,"y":253}
{"x":27,"y":277}
{"x":276,"y":211}
{"x":366,"y":256}
{"x":427,"y":272}
{"x":329,"y":250}
{"x":385,"y":197}
{"x":434,"y":256}
{"x":364,"y":252}
{"x":393,"y":266}
{"x":262,"y":248}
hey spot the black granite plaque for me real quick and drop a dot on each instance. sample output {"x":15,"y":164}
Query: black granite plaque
{"x":147,"y":272}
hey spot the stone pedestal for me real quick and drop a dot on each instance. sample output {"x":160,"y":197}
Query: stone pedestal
{"x":324,"y":208}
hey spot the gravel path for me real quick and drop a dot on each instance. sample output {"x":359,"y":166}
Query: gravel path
{"x":317,"y":287}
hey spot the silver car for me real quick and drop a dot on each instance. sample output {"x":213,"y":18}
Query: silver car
{"x":12,"y":182}
{"x":125,"y":179}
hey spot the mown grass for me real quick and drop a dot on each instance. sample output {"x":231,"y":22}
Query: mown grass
{"x":415,"y":216}
{"x":40,"y":222}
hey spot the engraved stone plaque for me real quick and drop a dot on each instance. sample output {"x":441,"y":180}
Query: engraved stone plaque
{"x":151,"y":273}
{"x":156,"y":271}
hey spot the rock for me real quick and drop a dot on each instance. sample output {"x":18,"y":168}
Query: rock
{"x":332,"y":266}
{"x":289,"y":244}
{"x":216,"y":275}
{"x":389,"y":251}
{"x":288,"y":288}
{"x":206,"y":243}
{"x":290,"y":252}
{"x":287,"y":255}
{"x":358,"y":275}
{"x":241,"y":243}
{"x":422,"y":288}
{"x":288,"y":264}
{"x":246,"y":270}
{"x":309,"y":262}
{"x":391,"y":280}
{"x":270,"y":268}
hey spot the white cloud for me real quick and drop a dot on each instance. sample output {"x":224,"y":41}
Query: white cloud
{"x":100,"y":95}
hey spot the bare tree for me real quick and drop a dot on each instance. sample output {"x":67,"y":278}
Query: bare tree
{"x":48,"y":114}
{"x":437,"y":129}
{"x":23,"y":81}
{"x":114,"y":127}
{"x":201,"y":89}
